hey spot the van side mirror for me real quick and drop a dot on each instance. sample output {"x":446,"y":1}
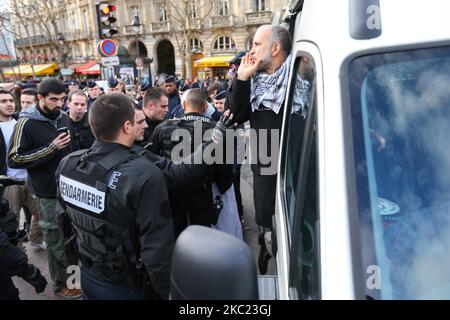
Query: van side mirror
{"x":209,"y":264}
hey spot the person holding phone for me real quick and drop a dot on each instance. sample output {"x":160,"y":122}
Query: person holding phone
{"x":38,"y":146}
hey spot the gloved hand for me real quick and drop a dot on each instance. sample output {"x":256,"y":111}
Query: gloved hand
{"x":224,"y":123}
{"x":33,"y":276}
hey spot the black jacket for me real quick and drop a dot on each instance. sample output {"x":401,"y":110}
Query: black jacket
{"x":81,"y":134}
{"x":163,"y":145}
{"x":174,"y":101}
{"x":3,"y":154}
{"x":31,"y":148}
{"x":13,"y":261}
{"x":149,"y":130}
{"x":137,"y":198}
{"x":179,"y":175}
{"x":238,"y":101}
{"x":264,"y":182}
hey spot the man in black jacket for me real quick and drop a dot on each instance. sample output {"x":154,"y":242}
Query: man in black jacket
{"x":195,"y":202}
{"x":155,"y":109}
{"x":258,"y":94}
{"x":80,"y":131}
{"x":116,"y":200}
{"x":38,"y":146}
{"x":170,"y":89}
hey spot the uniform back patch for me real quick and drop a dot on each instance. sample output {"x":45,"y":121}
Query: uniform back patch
{"x":81,"y":195}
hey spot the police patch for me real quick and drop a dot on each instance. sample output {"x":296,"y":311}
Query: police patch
{"x":81,"y":195}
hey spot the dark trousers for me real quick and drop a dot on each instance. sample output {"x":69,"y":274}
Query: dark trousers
{"x":190,"y":207}
{"x":237,"y":188}
{"x":264,"y":199}
{"x":94,"y":289}
{"x":7,"y":289}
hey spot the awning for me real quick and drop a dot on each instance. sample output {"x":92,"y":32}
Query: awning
{"x":211,"y":62}
{"x":26,"y":71}
{"x":92,"y":67}
{"x":74,"y":66}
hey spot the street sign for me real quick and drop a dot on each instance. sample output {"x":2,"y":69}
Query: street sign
{"x":66,"y":72}
{"x":110,"y":61}
{"x":107,"y":48}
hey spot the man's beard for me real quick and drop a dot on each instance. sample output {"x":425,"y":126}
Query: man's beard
{"x":265,"y":63}
{"x":53,"y":112}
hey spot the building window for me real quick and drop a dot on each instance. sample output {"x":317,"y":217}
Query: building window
{"x":85,"y":20}
{"x":133,"y":10}
{"x":162,"y":13}
{"x":196,"y":45}
{"x":250,"y":42}
{"x":223,"y":7}
{"x":193,"y":9}
{"x":224,"y":43}
{"x":259,"y":5}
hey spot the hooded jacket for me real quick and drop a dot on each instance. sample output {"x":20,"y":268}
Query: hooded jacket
{"x":31,"y":148}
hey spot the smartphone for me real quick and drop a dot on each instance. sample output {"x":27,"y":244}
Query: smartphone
{"x":63,"y":130}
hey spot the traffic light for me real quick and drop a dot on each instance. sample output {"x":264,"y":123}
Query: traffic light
{"x":106,"y":20}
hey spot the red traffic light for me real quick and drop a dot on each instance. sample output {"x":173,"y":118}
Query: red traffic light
{"x":107,"y":9}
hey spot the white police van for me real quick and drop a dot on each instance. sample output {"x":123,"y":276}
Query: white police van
{"x":363,"y":191}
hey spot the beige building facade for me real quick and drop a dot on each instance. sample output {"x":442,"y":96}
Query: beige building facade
{"x":211,"y":27}
{"x":65,"y":34}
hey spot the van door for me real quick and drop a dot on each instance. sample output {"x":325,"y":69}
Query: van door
{"x":297,"y":217}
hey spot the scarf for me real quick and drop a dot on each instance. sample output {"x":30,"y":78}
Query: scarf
{"x":269,"y":90}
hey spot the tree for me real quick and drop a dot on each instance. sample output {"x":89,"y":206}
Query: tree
{"x":43,"y":16}
{"x":4,"y":24}
{"x":186,"y":24}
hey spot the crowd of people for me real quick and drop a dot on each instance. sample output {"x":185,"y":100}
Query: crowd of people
{"x":120,"y":199}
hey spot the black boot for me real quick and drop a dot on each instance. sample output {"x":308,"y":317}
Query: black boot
{"x":25,"y":232}
{"x":263,"y":256}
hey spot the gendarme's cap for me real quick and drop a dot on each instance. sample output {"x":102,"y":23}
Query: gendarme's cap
{"x":220,"y":95}
{"x":196,"y":85}
{"x":29,"y":86}
{"x":91,"y":84}
{"x":170,"y":79}
{"x":73,"y":83}
{"x":145,"y":85}
{"x":183,"y":88}
{"x":112,"y":82}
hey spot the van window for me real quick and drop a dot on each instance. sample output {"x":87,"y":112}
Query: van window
{"x":400,"y":111}
{"x":300,"y":179}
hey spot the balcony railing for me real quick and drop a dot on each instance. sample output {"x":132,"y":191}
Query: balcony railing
{"x":77,"y":35}
{"x":195,"y":23}
{"x":41,"y":39}
{"x":160,"y":26}
{"x":221,"y":21}
{"x":129,"y":30}
{"x":259,"y":17}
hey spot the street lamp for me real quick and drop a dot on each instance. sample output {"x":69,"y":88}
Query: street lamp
{"x":136,"y":27}
{"x":61,"y":39}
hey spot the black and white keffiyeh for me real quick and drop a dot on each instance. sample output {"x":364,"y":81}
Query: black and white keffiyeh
{"x":269,"y":90}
